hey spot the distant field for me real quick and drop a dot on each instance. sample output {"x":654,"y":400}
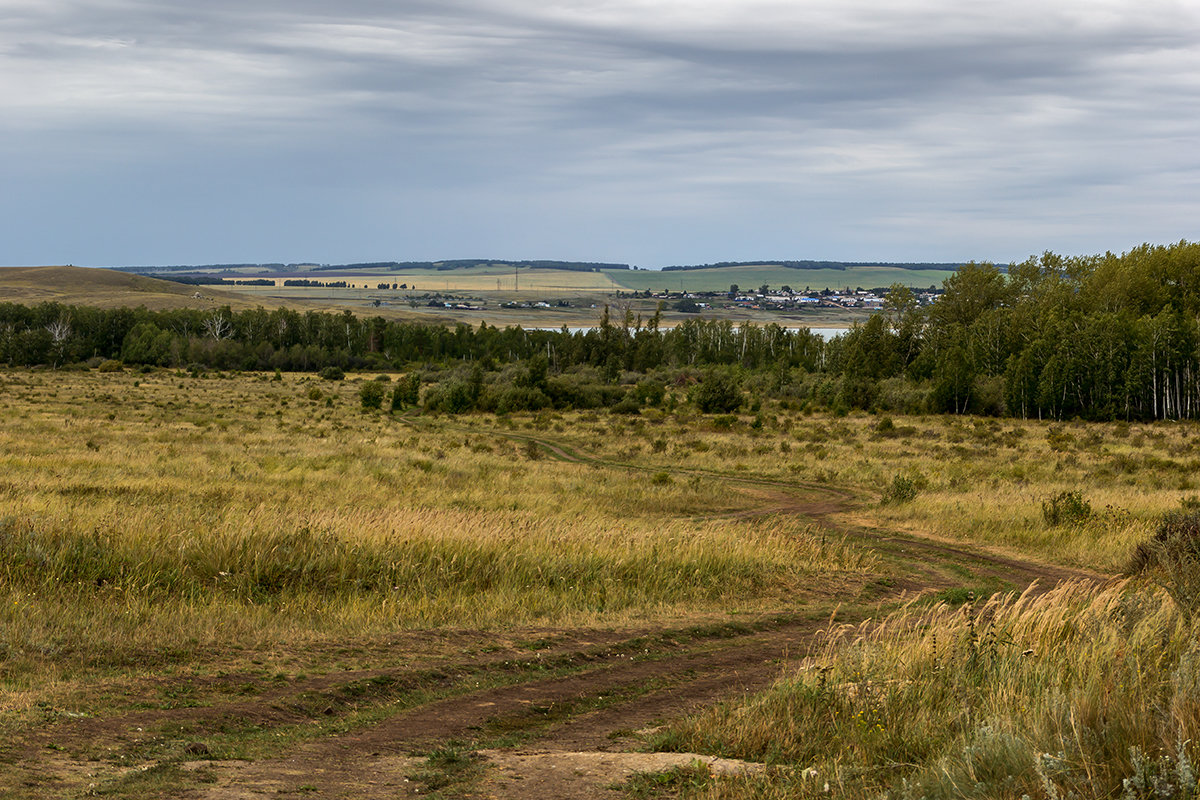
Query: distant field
{"x":586,"y":292}
{"x":469,"y":279}
{"x":719,"y":279}
{"x":500,"y":279}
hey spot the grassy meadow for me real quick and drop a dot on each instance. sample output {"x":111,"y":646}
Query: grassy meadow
{"x":165,"y":523}
{"x":978,"y":480}
{"x":161,"y":518}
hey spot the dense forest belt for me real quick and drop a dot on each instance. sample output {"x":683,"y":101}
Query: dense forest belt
{"x":1099,"y":338}
{"x":565,"y":693}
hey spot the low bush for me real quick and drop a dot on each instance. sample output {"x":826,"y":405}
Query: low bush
{"x":627,"y":405}
{"x":903,"y":489}
{"x":1066,"y":508}
{"x":719,"y":393}
{"x":1171,"y":557}
{"x":371,"y":394}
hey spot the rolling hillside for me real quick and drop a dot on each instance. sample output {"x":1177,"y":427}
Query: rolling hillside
{"x":105,"y":288}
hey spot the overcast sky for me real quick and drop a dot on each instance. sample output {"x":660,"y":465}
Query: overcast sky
{"x":649,"y":132}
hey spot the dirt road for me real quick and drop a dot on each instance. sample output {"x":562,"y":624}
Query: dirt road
{"x":560,"y":719}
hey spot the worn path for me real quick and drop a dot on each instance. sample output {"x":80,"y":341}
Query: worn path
{"x":561,"y":722}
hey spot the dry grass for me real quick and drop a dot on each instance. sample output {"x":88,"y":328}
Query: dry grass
{"x":161,"y":518}
{"x":1079,"y":692}
{"x":978,"y":480}
{"x":102,"y":288}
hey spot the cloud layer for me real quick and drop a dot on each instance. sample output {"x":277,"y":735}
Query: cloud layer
{"x":647,"y":131}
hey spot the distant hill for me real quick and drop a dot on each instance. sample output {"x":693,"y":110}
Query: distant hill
{"x":840,"y":265}
{"x":106,"y":288}
{"x":388,"y":266}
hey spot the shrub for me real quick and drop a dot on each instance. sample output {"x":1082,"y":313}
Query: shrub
{"x":518,"y":398}
{"x":407,"y":392}
{"x":371,"y":394}
{"x":627,"y":405}
{"x":453,"y":397}
{"x":650,"y":392}
{"x":332,"y":373}
{"x":1066,"y":508}
{"x":719,"y":393}
{"x":383,"y":378}
{"x":903,"y":489}
{"x":110,"y":365}
{"x":1172,"y":558}
{"x":1059,"y":440}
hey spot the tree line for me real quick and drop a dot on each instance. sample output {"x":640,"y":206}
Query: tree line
{"x":1098,"y":337}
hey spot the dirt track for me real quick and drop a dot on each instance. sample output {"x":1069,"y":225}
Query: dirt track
{"x":583,"y":695}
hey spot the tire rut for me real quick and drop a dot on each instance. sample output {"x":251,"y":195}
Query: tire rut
{"x":609,"y":693}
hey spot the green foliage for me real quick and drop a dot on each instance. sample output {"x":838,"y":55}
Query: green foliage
{"x":627,"y":405}
{"x":407,"y":392}
{"x":688,"y":781}
{"x":1066,"y":508}
{"x":903,"y":489}
{"x":453,"y":397}
{"x":517,"y":398}
{"x":650,"y":391}
{"x":1098,"y":337}
{"x":111,"y":365}
{"x":332,"y":373}
{"x":371,"y":395}
{"x":719,"y":392}
{"x":453,"y":768}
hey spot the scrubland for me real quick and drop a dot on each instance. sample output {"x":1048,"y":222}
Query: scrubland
{"x":978,"y":480}
{"x":151,"y":519}
{"x":161,"y":523}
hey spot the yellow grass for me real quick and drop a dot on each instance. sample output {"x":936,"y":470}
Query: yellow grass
{"x":479,"y":279}
{"x":982,"y":480}
{"x":152,"y":517}
{"x":103,"y":288}
{"x":1081,"y":692}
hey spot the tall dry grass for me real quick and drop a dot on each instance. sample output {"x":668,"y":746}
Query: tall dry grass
{"x":1079,"y":692}
{"x":977,"y":480}
{"x":160,"y":518}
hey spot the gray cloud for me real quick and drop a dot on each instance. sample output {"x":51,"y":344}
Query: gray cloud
{"x":596,"y":130}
